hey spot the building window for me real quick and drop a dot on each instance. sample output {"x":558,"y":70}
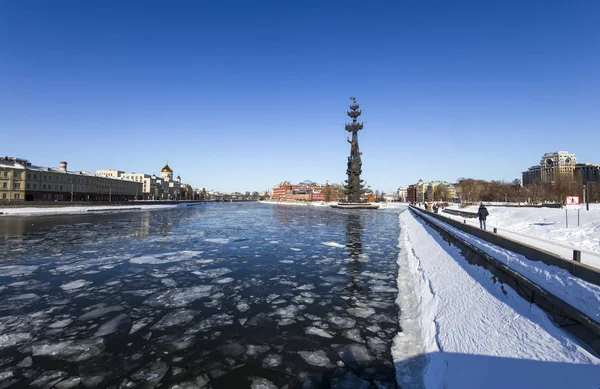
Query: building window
{"x":17,"y":175}
{"x":61,"y":187}
{"x":17,"y":196}
{"x":35,"y":176}
{"x":34,"y":186}
{"x":28,"y":186}
{"x":45,"y":177}
{"x":16,"y":185}
{"x":5,"y":174}
{"x":4,"y":185}
{"x":43,"y":186}
{"x":4,"y":196}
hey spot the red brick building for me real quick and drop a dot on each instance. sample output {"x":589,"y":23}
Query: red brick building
{"x":304,"y":191}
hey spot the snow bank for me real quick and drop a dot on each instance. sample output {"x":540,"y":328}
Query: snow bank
{"x":546,"y":228}
{"x":470,"y":333}
{"x":27,"y":211}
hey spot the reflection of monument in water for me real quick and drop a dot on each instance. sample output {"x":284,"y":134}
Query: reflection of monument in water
{"x":354,"y":187}
{"x":354,"y":229}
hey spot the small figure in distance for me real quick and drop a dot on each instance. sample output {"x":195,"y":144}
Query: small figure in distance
{"x":482,"y":213}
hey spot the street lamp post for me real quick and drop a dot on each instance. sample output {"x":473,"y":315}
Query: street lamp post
{"x":109,"y":193}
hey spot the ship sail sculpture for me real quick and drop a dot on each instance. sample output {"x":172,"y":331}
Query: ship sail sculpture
{"x":354,"y":187}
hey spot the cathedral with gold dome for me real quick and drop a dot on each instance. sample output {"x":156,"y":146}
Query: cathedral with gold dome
{"x":168,"y":188}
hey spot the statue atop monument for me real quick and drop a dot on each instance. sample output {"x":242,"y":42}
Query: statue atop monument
{"x":354,"y":187}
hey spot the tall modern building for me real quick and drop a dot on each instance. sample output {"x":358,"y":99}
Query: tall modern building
{"x":552,"y":165}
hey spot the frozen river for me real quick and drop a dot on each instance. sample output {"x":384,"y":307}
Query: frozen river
{"x":219,"y":295}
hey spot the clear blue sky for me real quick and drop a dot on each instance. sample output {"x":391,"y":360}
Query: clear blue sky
{"x":243,"y":95}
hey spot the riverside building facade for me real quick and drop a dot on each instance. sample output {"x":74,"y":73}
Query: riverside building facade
{"x":20,"y":180}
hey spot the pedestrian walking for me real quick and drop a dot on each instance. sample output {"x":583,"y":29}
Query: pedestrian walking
{"x":482,"y":213}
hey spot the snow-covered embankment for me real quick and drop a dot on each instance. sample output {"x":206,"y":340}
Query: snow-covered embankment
{"x":462,"y":330}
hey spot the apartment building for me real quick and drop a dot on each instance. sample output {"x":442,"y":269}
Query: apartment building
{"x":27,"y":182}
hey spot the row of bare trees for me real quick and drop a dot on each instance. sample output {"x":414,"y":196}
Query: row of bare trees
{"x":471,"y":190}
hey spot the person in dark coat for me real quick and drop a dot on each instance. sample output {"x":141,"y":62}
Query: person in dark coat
{"x":482,"y":213}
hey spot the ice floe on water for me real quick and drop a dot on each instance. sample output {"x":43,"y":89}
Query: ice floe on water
{"x":212,"y":273}
{"x":315,"y":358}
{"x":75,"y":284}
{"x":16,"y":270}
{"x":99,"y":312}
{"x":175,"y":318}
{"x":179,"y":297}
{"x":318,"y":332}
{"x":217,"y":240}
{"x":334,"y":244}
{"x":120,"y":323}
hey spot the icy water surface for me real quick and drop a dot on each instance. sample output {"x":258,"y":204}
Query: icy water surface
{"x":212,"y":296}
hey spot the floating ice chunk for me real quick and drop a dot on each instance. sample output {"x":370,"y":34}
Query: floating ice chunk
{"x":212,"y":273}
{"x":179,"y":297}
{"x":100,"y":312}
{"x":272,"y":297}
{"x":288,"y":312}
{"x":335,"y":279}
{"x":342,"y":322}
{"x":243,"y":307}
{"x":61,"y":323}
{"x":75,"y":284}
{"x":274,"y":242}
{"x":286,"y":322}
{"x":253,"y":350}
{"x":315,"y":358}
{"x":224,"y":280}
{"x":150,"y":375}
{"x":377,"y":344}
{"x":361,"y":312}
{"x":141,"y":292}
{"x":295,"y":249}
{"x":175,"y":318}
{"x":169,"y":282}
{"x":26,"y":362}
{"x":69,"y":350}
{"x":384,"y":289}
{"x":218,"y":320}
{"x":24,"y":297}
{"x":16,"y":270}
{"x":306,"y":287}
{"x":356,"y":354}
{"x":204,"y":261}
{"x":262,"y":383}
{"x":333,"y":244}
{"x":68,"y":383}
{"x":374,"y":328}
{"x":139,"y":325}
{"x":46,"y":378}
{"x":217,"y":240}
{"x":9,"y":340}
{"x":121,"y":322}
{"x":272,"y":360}
{"x":286,"y":261}
{"x":318,"y":332}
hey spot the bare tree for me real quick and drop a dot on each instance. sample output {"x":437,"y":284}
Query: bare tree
{"x":442,"y":193}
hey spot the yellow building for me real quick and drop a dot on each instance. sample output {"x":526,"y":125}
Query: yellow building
{"x":12,"y":179}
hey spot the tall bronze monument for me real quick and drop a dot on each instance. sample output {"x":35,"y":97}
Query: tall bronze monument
{"x":354,"y":187}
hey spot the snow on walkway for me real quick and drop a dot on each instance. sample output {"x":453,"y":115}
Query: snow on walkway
{"x":580,"y":294}
{"x":545,"y":228}
{"x":462,"y":330}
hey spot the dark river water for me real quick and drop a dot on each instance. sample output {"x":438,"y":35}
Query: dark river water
{"x":234,"y":295}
